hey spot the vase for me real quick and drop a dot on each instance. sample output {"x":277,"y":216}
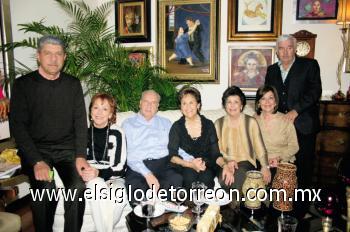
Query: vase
{"x":254,"y":180}
{"x":286,"y":179}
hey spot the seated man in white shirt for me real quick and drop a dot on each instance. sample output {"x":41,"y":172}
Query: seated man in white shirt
{"x":147,"y":148}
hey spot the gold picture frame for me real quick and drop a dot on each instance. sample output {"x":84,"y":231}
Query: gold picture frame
{"x":254,"y":20}
{"x":132,"y":21}
{"x":139,"y":55}
{"x":188,"y":39}
{"x":248,"y":66}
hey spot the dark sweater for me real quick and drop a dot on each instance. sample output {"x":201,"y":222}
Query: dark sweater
{"x":205,"y":146}
{"x":48,"y":114}
{"x":115,"y":156}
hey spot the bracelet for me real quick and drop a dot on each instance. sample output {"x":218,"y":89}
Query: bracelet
{"x":223,"y":165}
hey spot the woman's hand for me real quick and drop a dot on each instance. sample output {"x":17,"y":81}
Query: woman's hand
{"x":266,"y":174}
{"x":227,"y":175}
{"x":89,"y":173}
{"x":273,"y":162}
{"x":198,"y":164}
{"x":232,"y":165}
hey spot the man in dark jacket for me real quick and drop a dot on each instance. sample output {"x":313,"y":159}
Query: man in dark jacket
{"x":298,"y":84}
{"x":48,"y":122}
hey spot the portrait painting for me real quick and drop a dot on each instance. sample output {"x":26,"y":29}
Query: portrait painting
{"x":254,"y":19}
{"x":132,"y":21}
{"x":316,"y":9}
{"x":188,"y":39}
{"x":248,"y":66}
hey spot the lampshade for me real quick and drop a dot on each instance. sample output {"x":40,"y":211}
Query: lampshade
{"x":344,"y":12}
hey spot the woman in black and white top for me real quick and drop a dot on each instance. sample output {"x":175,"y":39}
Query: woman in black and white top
{"x":107,"y":157}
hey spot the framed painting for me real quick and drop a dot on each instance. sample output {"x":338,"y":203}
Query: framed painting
{"x":132,"y":21}
{"x":4,"y":86}
{"x":316,"y":9}
{"x":248,"y":66}
{"x":139,"y":55}
{"x":188,"y":39}
{"x":254,"y":20}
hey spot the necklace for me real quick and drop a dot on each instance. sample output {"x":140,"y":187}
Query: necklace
{"x":93,"y":146}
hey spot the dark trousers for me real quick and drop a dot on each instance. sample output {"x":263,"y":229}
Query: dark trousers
{"x":161,"y":169}
{"x":44,"y":210}
{"x":305,"y":167}
{"x":190,"y":175}
{"x":305,"y":159}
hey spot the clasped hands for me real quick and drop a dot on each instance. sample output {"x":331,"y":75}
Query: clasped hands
{"x":198,"y":164}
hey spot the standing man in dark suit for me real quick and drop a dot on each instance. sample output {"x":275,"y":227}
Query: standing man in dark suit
{"x":298,"y":84}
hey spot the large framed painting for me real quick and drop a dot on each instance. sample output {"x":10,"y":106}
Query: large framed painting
{"x":248,"y":65}
{"x":188,"y":39}
{"x":316,"y":9}
{"x":254,"y":20}
{"x":132,"y":21}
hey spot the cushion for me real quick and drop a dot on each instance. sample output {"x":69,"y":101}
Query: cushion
{"x":10,"y":222}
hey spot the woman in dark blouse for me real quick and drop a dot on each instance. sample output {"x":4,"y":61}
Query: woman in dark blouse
{"x":196,"y":135}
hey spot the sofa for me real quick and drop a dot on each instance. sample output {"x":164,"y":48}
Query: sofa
{"x":172,"y":115}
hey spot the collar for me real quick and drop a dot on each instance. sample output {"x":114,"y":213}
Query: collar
{"x":285,"y":70}
{"x":142,"y":119}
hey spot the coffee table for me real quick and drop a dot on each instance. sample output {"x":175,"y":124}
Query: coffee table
{"x":265,"y":219}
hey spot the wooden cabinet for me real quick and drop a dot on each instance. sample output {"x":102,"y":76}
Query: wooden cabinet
{"x":333,"y":141}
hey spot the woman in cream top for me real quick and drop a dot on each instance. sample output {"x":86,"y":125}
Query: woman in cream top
{"x":240,"y":140}
{"x":279,"y":135}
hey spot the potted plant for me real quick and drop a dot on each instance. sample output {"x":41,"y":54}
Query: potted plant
{"x":96,"y":57}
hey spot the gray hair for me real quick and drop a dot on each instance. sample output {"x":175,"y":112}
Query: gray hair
{"x":152,"y":92}
{"x":285,"y":37}
{"x":50,"y":39}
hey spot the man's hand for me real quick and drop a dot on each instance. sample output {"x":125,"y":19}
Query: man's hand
{"x":89,"y":173}
{"x":81,"y":164}
{"x":291,"y":116}
{"x":41,"y":171}
{"x":152,"y":180}
{"x":227,"y":175}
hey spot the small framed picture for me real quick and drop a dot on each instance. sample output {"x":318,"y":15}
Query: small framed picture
{"x":316,"y":9}
{"x":254,"y":20}
{"x":132,"y":21}
{"x":139,"y":55}
{"x":248,"y":66}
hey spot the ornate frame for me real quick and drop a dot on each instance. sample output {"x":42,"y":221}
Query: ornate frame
{"x":238,"y":55}
{"x":254,"y":32}
{"x":141,"y":10}
{"x":173,"y":14}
